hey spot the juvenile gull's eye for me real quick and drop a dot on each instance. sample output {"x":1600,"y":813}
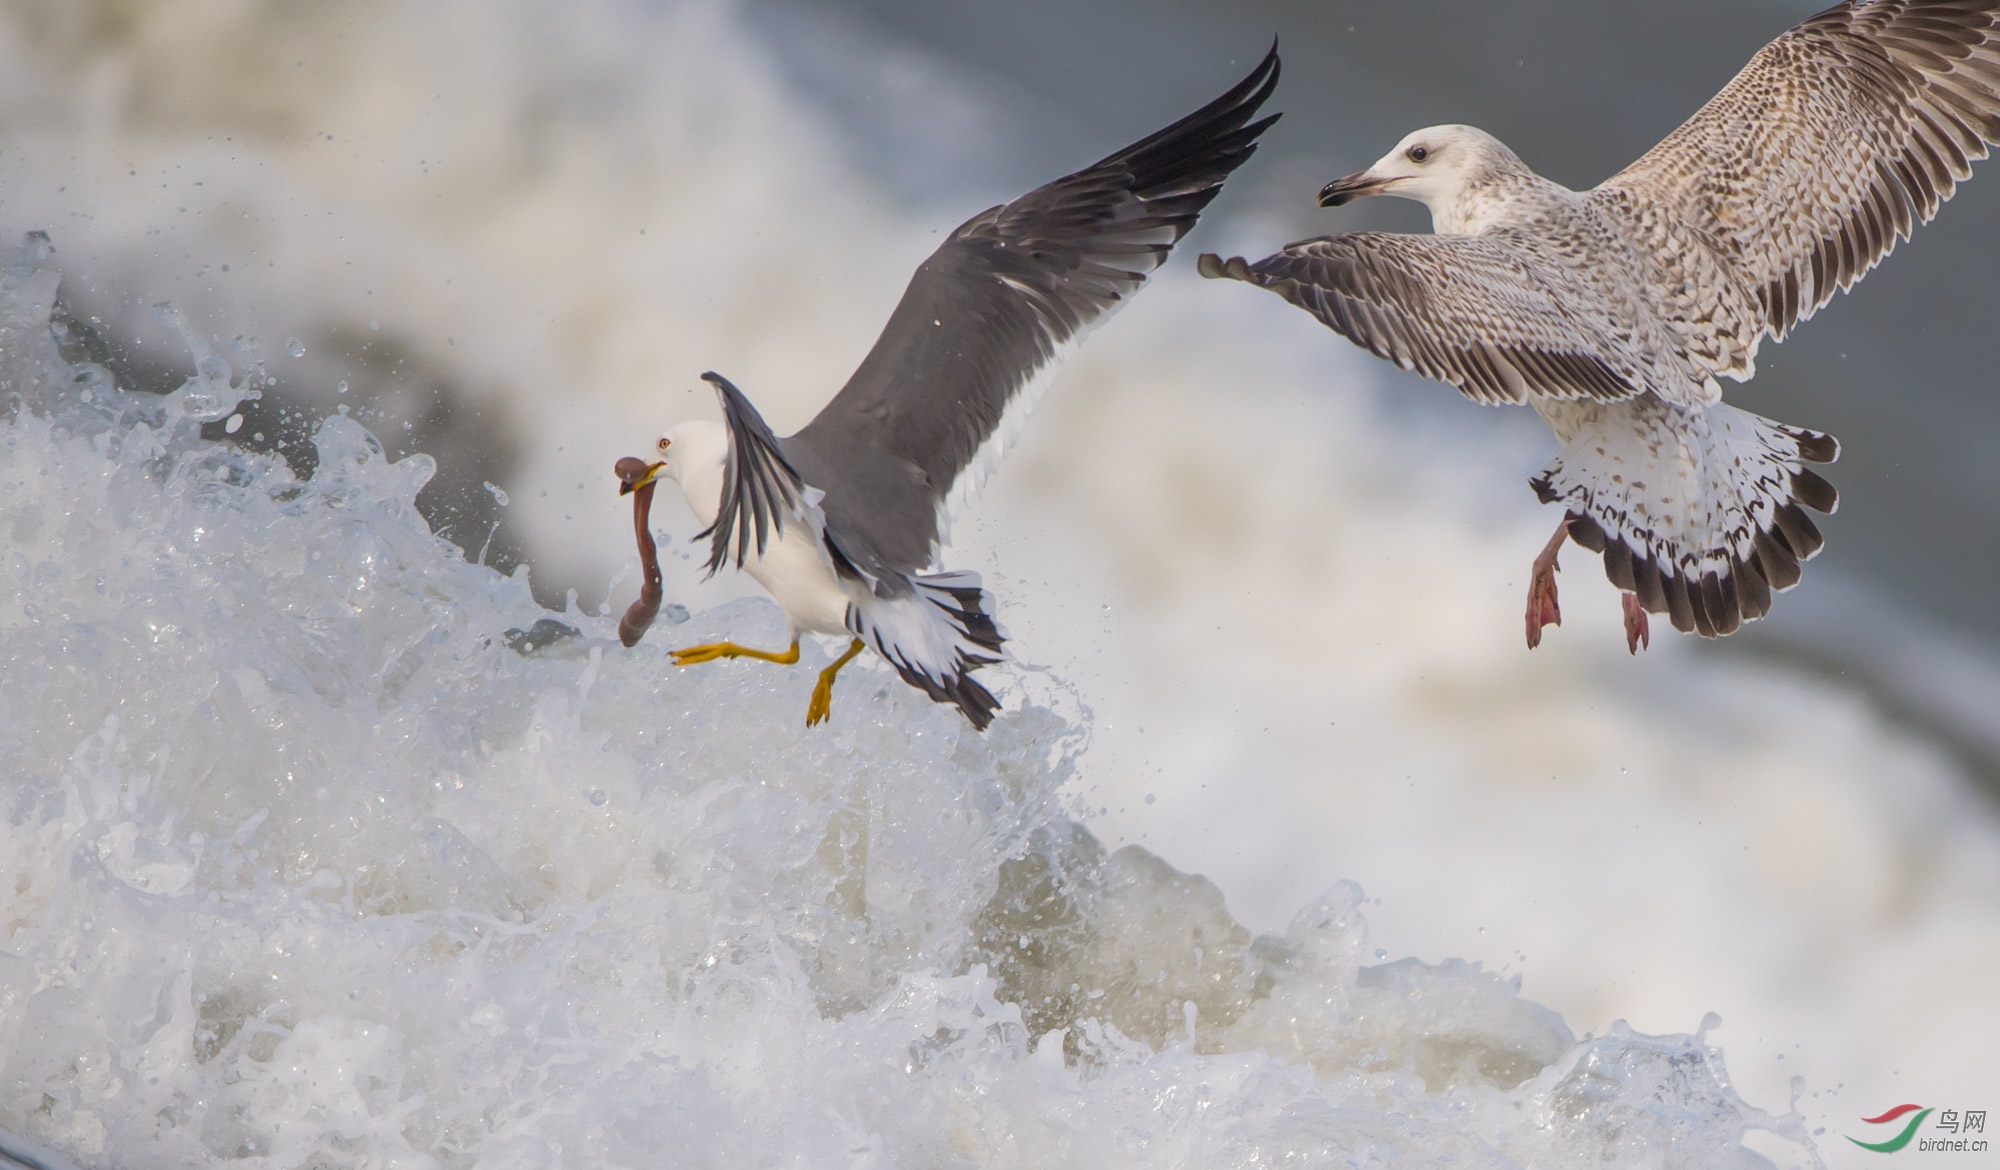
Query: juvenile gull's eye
{"x":1419,"y":154}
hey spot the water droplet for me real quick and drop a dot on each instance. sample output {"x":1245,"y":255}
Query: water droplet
{"x":234,"y":424}
{"x":374,"y":325}
{"x":294,"y":347}
{"x":342,"y":388}
{"x":499,"y":497}
{"x":598,"y":798}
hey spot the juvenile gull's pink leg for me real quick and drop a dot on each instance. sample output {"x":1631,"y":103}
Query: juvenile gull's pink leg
{"x":1636,"y":632}
{"x":1542,"y":607}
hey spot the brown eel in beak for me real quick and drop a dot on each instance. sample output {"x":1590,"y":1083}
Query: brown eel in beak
{"x":635,"y":477}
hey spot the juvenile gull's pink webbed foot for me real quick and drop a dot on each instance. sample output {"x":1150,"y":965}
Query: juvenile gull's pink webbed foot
{"x":1636,"y":632}
{"x":1542,"y":607}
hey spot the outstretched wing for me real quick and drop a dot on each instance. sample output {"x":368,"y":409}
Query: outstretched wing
{"x":1827,"y":149}
{"x":988,"y":317}
{"x":1474,"y":311}
{"x":761,"y":492}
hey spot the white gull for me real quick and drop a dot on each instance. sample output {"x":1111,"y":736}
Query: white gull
{"x":840,"y":521}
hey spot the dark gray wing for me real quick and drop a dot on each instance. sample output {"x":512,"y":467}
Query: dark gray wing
{"x":760,"y":490}
{"x":991,"y":310}
{"x":1474,"y":311}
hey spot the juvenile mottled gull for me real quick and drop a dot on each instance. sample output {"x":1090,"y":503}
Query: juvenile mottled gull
{"x":1613,"y":311}
{"x":839,"y":521}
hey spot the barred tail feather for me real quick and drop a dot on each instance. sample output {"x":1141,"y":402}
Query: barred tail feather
{"x":1700,"y":512}
{"x":936,"y":635}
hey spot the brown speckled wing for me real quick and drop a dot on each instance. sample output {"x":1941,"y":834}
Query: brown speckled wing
{"x":1831,"y":145}
{"x":1480,"y":312}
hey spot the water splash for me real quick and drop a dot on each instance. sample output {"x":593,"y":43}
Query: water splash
{"x":208,"y":395}
{"x":311,"y":856}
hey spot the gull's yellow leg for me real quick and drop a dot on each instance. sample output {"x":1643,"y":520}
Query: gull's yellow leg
{"x":822,"y":700}
{"x":715,"y":650}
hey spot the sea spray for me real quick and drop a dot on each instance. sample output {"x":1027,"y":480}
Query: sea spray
{"x":310,"y":856}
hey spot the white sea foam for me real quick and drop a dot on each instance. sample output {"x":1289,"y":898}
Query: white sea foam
{"x":309,"y":858}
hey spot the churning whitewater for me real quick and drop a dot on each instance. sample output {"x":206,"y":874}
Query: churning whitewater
{"x":325,"y":847}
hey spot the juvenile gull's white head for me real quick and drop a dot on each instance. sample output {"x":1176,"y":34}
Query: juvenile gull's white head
{"x":1450,"y":169}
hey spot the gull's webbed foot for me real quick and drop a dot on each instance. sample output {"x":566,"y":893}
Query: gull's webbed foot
{"x":1542,"y":607}
{"x":1636,"y":632}
{"x":715,"y":650}
{"x":821,"y":707}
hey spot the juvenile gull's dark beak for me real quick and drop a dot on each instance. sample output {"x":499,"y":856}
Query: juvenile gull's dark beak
{"x":1353,"y":187}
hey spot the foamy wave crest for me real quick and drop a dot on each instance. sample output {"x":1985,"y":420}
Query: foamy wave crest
{"x":321,"y":846}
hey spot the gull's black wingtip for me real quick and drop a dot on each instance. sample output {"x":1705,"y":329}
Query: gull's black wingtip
{"x":1244,"y":100}
{"x":1254,"y":90}
{"x":733,"y":399}
{"x":1219,"y":132}
{"x":1276,"y":67}
{"x":1270,"y":64}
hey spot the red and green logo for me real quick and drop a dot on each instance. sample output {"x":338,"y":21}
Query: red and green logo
{"x":1900,"y":1140}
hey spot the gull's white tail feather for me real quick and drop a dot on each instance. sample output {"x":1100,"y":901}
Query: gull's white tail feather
{"x":935,"y":636}
{"x":1699,"y":511}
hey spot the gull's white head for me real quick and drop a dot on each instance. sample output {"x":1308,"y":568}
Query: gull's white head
{"x":1436,"y":167}
{"x":693,"y":455}
{"x":693,"y":449}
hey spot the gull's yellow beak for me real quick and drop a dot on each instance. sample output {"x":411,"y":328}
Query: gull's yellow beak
{"x":635,"y":473}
